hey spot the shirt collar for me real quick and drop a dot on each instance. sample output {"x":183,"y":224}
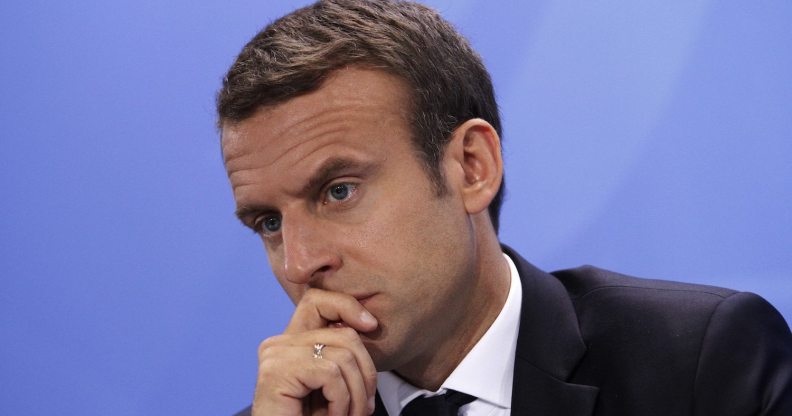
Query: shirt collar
{"x":487,"y":371}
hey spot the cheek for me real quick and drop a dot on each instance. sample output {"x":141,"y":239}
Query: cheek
{"x":412,"y":237}
{"x":390,"y":233}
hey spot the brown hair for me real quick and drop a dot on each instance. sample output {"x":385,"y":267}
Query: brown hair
{"x":293,"y":55}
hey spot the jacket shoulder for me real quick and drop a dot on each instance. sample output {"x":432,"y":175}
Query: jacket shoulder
{"x":649,"y":341}
{"x":622,"y":313}
{"x":583,"y":281}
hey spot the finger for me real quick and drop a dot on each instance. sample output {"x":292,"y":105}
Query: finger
{"x":353,"y":376}
{"x":332,"y":383}
{"x":351,"y":341}
{"x":318,"y":308}
{"x":288,"y":376}
{"x":343,"y":338}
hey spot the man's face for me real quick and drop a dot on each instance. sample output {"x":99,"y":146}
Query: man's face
{"x":332,"y":183}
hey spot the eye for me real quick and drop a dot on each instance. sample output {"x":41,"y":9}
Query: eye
{"x":340,"y":192}
{"x":268,"y":225}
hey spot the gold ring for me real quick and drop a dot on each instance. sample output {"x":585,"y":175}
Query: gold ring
{"x":318,"y":350}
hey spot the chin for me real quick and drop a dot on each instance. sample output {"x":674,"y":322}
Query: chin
{"x":375,"y":345}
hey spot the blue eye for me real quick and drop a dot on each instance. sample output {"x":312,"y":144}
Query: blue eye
{"x":341,"y":191}
{"x":271,"y":224}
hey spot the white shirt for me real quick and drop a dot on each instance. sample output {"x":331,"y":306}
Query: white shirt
{"x":486,"y":372}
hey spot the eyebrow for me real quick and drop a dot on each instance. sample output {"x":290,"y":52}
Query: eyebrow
{"x":332,"y":168}
{"x":328,"y":170}
{"x":244,"y":212}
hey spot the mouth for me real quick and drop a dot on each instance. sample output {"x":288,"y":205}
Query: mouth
{"x":364,"y":299}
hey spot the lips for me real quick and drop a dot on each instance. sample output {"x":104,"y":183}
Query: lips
{"x":364,"y":299}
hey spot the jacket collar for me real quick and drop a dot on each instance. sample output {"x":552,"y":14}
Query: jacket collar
{"x":549,"y":347}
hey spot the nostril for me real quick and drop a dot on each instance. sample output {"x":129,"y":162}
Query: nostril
{"x":318,"y":276}
{"x":320,"y":273}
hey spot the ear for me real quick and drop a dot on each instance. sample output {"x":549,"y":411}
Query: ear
{"x":475,"y":152}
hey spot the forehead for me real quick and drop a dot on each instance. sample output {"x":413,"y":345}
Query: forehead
{"x":357,"y":116}
{"x":350,"y":98}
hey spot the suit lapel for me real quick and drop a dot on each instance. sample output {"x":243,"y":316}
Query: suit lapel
{"x":549,"y":347}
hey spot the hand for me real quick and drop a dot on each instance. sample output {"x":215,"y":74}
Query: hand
{"x":292,"y":382}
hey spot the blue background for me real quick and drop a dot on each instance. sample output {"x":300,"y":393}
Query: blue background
{"x":653,"y":138}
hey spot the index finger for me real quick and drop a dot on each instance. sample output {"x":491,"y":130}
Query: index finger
{"x":318,"y":308}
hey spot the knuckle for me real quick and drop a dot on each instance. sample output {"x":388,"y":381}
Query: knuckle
{"x":268,"y":343}
{"x":335,"y":370}
{"x":262,"y":349}
{"x":267,"y":369}
{"x":346,"y":357}
{"x":270,"y":358}
{"x":268,"y":354}
{"x":348,"y":334}
{"x":278,"y":365}
{"x":331,"y":368}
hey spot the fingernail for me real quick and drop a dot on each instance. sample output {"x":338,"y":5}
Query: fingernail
{"x":367,"y":318}
{"x":371,"y":405}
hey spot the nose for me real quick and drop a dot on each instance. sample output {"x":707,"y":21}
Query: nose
{"x":308,"y":252}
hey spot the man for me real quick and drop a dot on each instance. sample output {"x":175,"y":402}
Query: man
{"x":362,"y":143}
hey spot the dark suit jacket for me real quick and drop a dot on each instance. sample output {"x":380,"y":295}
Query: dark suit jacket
{"x":594,"y":342}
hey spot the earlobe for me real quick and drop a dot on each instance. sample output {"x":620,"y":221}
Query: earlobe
{"x":478,"y":152}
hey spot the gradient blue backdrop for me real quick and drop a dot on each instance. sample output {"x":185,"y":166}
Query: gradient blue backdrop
{"x":653,"y":138}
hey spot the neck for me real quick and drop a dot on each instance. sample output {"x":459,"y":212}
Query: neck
{"x":487,"y":296}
